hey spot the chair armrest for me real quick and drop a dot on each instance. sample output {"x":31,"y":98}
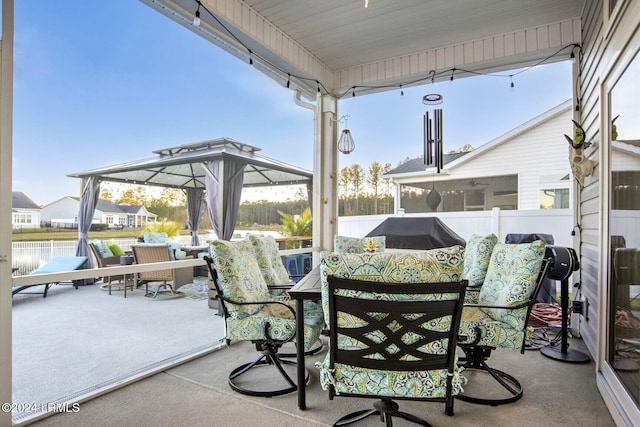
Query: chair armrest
{"x":504,"y":307}
{"x":229,"y":300}
{"x":110,"y":260}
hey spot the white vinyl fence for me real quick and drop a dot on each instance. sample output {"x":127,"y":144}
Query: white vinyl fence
{"x":557,"y":222}
{"x":29,"y":256}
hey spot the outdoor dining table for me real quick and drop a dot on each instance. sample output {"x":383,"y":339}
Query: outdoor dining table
{"x":308,"y":288}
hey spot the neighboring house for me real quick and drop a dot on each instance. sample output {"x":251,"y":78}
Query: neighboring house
{"x":63,"y":213}
{"x":534,"y":172}
{"x":25,"y":213}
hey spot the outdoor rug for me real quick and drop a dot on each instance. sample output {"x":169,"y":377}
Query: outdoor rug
{"x":196,"y":291}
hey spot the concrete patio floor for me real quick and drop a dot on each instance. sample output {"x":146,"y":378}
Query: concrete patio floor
{"x":196,"y":393}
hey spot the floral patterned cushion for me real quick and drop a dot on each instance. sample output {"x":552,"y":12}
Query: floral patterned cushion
{"x":477,"y":254}
{"x":281,"y":324}
{"x":240,"y":279}
{"x":434,"y":265}
{"x":510,"y":280}
{"x":357,"y":245}
{"x":437,"y":265}
{"x":239,"y":275}
{"x":492,"y":333}
{"x":269,"y":261}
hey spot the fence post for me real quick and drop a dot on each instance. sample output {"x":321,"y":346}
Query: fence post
{"x":495,"y":221}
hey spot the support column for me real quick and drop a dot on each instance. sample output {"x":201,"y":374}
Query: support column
{"x":6,"y":155}
{"x":325,"y":173}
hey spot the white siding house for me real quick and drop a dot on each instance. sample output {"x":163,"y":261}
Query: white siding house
{"x":64,"y":213}
{"x":534,"y":171}
{"x":25,"y":213}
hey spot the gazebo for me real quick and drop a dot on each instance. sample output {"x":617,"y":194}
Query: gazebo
{"x":212,"y":172}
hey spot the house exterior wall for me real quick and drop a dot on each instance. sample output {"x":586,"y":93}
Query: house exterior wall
{"x":534,"y":153}
{"x":541,"y":151}
{"x":25,"y":218}
{"x":609,"y":42}
{"x":65,"y":210}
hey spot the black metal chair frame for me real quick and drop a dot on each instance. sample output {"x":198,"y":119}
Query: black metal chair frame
{"x":268,"y":347}
{"x":396,"y":311}
{"x":476,"y":356}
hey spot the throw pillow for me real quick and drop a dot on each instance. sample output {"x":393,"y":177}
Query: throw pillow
{"x":103,"y":249}
{"x":358,"y":245}
{"x":116,"y":250}
{"x":476,"y":258}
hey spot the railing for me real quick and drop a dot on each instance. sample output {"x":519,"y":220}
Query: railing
{"x":29,"y":256}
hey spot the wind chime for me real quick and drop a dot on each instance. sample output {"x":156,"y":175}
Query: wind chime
{"x":433,"y":151}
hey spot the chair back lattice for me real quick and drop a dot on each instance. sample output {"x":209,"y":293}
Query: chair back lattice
{"x":148,"y":254}
{"x":394,"y":326}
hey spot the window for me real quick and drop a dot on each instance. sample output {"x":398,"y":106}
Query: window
{"x":22,"y":218}
{"x":108,"y":219}
{"x":624,"y":234}
{"x":460,"y":195}
{"x":555,"y":192}
{"x":557,"y":198}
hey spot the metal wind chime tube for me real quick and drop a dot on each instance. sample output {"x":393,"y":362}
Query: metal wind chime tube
{"x":428,"y":147}
{"x":439,"y":156}
{"x":433,"y":144}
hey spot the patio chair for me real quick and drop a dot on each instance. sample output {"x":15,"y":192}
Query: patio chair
{"x":169,"y":280}
{"x":56,"y":265}
{"x":393,"y":322}
{"x":104,"y":260}
{"x":254,"y":314}
{"x":499,"y":318}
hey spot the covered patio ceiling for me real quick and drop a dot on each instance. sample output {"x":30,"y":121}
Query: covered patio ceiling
{"x":182,"y":167}
{"x":347,"y":47}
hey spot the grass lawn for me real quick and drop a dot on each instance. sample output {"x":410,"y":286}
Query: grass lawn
{"x":64,"y":234}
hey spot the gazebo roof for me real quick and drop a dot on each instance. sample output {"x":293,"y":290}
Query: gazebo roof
{"x":182,"y":167}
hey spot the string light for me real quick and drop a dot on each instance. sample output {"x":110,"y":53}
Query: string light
{"x":432,"y":74}
{"x":196,"y":20}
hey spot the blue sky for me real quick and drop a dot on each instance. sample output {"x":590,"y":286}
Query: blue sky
{"x":99,"y":83}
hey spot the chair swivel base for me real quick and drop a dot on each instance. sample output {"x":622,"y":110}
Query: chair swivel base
{"x":476,"y":360}
{"x":507,"y":381}
{"x":317,"y":348}
{"x":386,"y":409}
{"x":266,"y":360}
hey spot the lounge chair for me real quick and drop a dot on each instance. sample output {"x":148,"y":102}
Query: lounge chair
{"x":56,"y":265}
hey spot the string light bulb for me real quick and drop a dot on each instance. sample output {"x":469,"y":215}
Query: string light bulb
{"x":196,"y":19}
{"x":345,"y":144}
